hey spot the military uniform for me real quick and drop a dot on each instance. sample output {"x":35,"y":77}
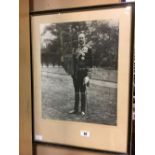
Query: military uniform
{"x":82,"y":63}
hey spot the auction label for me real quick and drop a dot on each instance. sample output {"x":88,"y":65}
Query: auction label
{"x":38,"y":137}
{"x":85,"y":133}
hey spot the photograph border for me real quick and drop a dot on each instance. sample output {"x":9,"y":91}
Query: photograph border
{"x":70,"y":10}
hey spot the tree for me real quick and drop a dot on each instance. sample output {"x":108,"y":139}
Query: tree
{"x":102,"y":37}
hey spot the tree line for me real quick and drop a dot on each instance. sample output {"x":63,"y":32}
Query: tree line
{"x":102,"y":38}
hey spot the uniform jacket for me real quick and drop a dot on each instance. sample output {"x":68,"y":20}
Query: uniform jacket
{"x":82,"y":62}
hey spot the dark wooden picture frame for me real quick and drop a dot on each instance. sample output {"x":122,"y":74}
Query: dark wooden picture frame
{"x":129,"y":83}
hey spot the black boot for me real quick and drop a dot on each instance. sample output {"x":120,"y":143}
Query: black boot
{"x":76,"y":105}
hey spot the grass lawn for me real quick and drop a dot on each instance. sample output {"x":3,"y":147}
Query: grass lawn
{"x":58,"y":100}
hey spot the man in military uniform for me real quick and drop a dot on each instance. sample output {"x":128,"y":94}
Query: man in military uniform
{"x":82,"y":63}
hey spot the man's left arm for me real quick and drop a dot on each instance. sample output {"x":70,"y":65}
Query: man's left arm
{"x":89,"y":63}
{"x":89,"y":66}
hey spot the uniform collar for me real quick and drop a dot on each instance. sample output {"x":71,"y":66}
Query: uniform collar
{"x":81,"y":47}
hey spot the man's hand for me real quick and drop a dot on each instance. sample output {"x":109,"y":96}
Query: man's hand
{"x":86,"y":80}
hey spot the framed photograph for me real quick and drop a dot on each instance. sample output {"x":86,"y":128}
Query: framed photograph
{"x":82,"y":75}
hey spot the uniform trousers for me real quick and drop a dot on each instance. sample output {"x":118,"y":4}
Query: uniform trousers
{"x":80,"y":89}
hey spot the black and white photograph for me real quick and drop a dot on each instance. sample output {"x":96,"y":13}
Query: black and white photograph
{"x":79,"y":71}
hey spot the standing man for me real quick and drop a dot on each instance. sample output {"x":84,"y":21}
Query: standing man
{"x":82,"y":63}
